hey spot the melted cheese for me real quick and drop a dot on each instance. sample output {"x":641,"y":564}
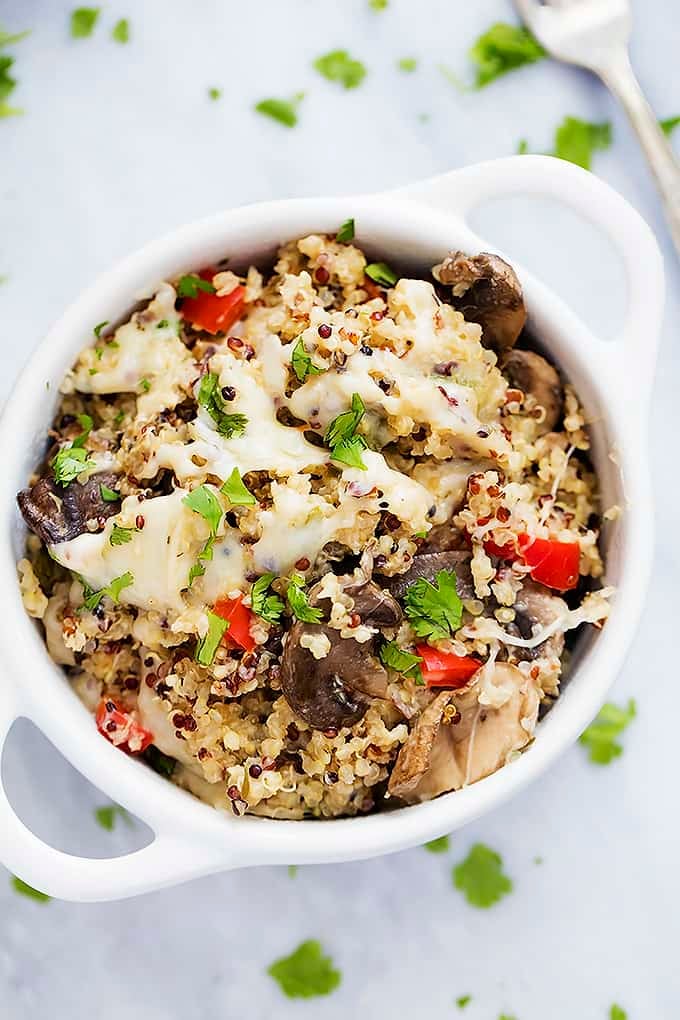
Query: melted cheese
{"x":406,"y":498}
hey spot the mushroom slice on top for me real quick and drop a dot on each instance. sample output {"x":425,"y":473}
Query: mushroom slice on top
{"x":486,"y":290}
{"x":428,"y":564}
{"x":536,"y":607}
{"x":529,"y":372}
{"x":59,"y":514}
{"x":438,"y":757}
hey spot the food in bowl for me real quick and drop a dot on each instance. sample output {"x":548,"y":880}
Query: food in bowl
{"x":309,"y":541}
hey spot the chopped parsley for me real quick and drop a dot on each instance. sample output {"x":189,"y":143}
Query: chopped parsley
{"x":215,"y":93}
{"x":9,"y":38}
{"x":264,"y":603}
{"x":236,"y":492}
{"x":669,"y":124}
{"x":299,"y":603}
{"x":522,"y":147}
{"x":438,"y":846}
{"x":600,"y":736}
{"x":7,"y":86}
{"x":205,"y":555}
{"x":92,"y":597}
{"x":83,"y":21}
{"x":506,"y":1016}
{"x":106,"y":816}
{"x":503,"y":48}
{"x":345,"y":425}
{"x":480,"y":877}
{"x":337,"y":65}
{"x":463,"y":1000}
{"x":306,"y":972}
{"x":407,"y":64}
{"x":302,"y":364}
{"x":346,"y":232}
{"x":208,"y":645}
{"x":203,"y":501}
{"x":121,"y":31}
{"x":190,"y":285}
{"x":576,"y":140}
{"x":72,"y":460}
{"x":292,"y":870}
{"x":161,"y":763}
{"x":121,"y":536}
{"x":349,"y":452}
{"x":210,"y":397}
{"x":25,"y":889}
{"x":434,"y":610}
{"x":282,"y":110}
{"x":109,"y":495}
{"x":163,"y":324}
{"x":394,"y":657}
{"x":617,"y":1013}
{"x":381,"y":274}
{"x":378,"y":5}
{"x":145,"y":385}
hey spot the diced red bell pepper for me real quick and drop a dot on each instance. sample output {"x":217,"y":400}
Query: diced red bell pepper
{"x":240,"y":618}
{"x":211,"y":312}
{"x":121,"y":728}
{"x":507,"y":551}
{"x":444,"y":669}
{"x":552,"y":562}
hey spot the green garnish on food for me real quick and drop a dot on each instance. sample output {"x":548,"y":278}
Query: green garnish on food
{"x":503,"y":48}
{"x":264,"y":603}
{"x":106,"y":816}
{"x":7,"y":86}
{"x":72,"y":460}
{"x":83,"y":21}
{"x":576,"y":140}
{"x":282,"y":110}
{"x":617,"y":1013}
{"x":669,"y":124}
{"x":381,"y":274}
{"x":208,"y":645}
{"x":121,"y":536}
{"x":342,"y":439}
{"x":306,"y":972}
{"x":109,"y":495}
{"x":99,"y":327}
{"x":434,"y":610}
{"x":215,"y":93}
{"x":522,"y":147}
{"x":480,"y":877}
{"x":161,"y":763}
{"x":302,"y":364}
{"x":121,"y":31}
{"x":378,"y":5}
{"x":299,"y":603}
{"x":463,"y":1000}
{"x":236,"y":492}
{"x":203,"y":501}
{"x":346,"y":232}
{"x":394,"y":657}
{"x":439,"y":845}
{"x":145,"y":384}
{"x":190,"y":285}
{"x":600,"y":736}
{"x":337,"y":65}
{"x":25,"y":889}
{"x":210,"y":397}
{"x":407,"y":64}
{"x":92,"y":597}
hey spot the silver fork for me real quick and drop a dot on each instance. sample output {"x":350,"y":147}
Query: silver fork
{"x":594,"y":34}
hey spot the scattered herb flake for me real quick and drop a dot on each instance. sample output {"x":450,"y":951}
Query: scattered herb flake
{"x":337,"y":65}
{"x":190,"y":285}
{"x":106,"y":816}
{"x":145,"y":384}
{"x":109,"y":495}
{"x":282,"y":110}
{"x":203,"y":501}
{"x":503,"y":48}
{"x":346,"y":232}
{"x":210,"y":397}
{"x":264,"y":603}
{"x":292,"y":870}
{"x":7,"y":86}
{"x":451,"y":77}
{"x":441,"y":845}
{"x":159,"y":762}
{"x":576,"y":140}
{"x":669,"y":124}
{"x":302,"y":364}
{"x":92,"y":597}
{"x":407,"y":64}
{"x":163,"y":324}
{"x":617,"y":1013}
{"x":434,"y":610}
{"x":208,"y":645}
{"x":25,"y":889}
{"x":349,"y":452}
{"x":69,"y":463}
{"x":382,"y":274}
{"x":236,"y":492}
{"x":83,"y":21}
{"x":480,"y":877}
{"x":394,"y":657}
{"x":306,"y":972}
{"x":345,"y":425}
{"x":506,"y":1016}
{"x":600,"y":736}
{"x":9,"y":38}
{"x":522,"y":147}
{"x":378,"y":5}
{"x":215,"y":93}
{"x":463,"y":1000}
{"x":299,"y":603}
{"x":121,"y":536}
{"x":121,"y":31}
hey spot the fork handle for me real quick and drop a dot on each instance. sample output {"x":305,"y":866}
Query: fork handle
{"x":619,"y":77}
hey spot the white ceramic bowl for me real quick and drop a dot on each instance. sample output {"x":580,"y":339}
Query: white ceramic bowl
{"x":414,"y":228}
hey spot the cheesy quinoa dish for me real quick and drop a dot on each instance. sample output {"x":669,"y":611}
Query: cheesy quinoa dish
{"x":308,"y":540}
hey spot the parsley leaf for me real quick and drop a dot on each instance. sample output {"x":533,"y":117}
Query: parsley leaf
{"x":378,"y":5}
{"x":121,"y":536}
{"x":617,"y":1013}
{"x":396,"y":658}
{"x":161,"y":763}
{"x":345,"y":425}
{"x":480,"y":877}
{"x":236,"y":492}
{"x":522,"y":147}
{"x":109,"y":495}
{"x":208,"y":645}
{"x":83,"y":21}
{"x":337,"y":65}
{"x":215,"y":93}
{"x":463,"y":1000}
{"x":121,"y":31}
{"x":210,"y":397}
{"x":106,"y":816}
{"x":306,"y":972}
{"x":381,"y":273}
{"x":576,"y":140}
{"x":25,"y":889}
{"x":92,"y":597}
{"x":407,"y":64}
{"x":669,"y":124}
{"x":434,"y":610}
{"x":7,"y":86}
{"x":600,"y":736}
{"x":268,"y":606}
{"x":292,"y":870}
{"x":346,"y":232}
{"x":438,"y":846}
{"x":283,"y":110}
{"x":203,"y":501}
{"x":503,"y":48}
{"x":72,"y":460}
{"x":206,"y":554}
{"x":145,"y":385}
{"x":302,"y":364}
{"x":9,"y":38}
{"x":299,"y":603}
{"x":189,"y":286}
{"x":349,"y":452}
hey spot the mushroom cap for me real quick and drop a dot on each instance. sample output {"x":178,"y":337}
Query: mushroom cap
{"x":427,"y":565}
{"x":487,"y":291}
{"x":58,"y":514}
{"x":529,"y":372}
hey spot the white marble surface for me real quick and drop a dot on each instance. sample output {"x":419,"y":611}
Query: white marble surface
{"x":117,"y":145}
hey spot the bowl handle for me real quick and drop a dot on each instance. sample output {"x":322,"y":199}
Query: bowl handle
{"x":163,"y":862}
{"x":461,"y":191}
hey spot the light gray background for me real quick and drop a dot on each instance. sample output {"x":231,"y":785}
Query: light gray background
{"x":119,"y":144}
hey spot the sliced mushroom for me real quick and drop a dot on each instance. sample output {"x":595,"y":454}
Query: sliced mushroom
{"x":335,"y":691}
{"x":443,"y":538}
{"x":486,"y":290}
{"x":438,"y":757}
{"x":58,"y":514}
{"x":536,"y":607}
{"x":427,"y":565}
{"x":529,"y":372}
